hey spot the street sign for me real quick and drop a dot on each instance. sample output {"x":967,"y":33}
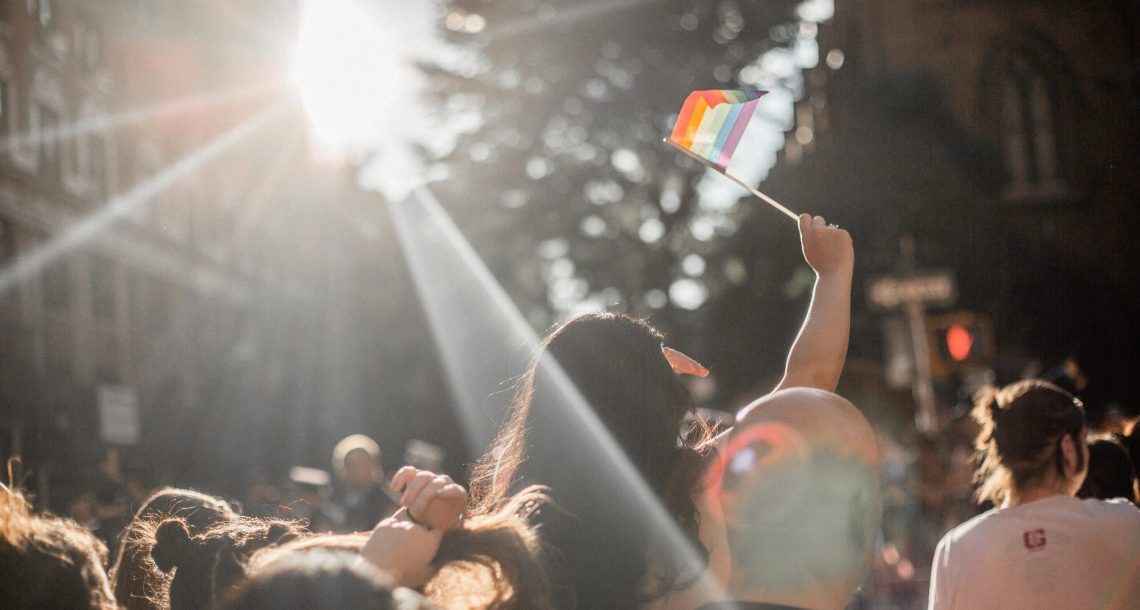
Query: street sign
{"x":118,"y":415}
{"x":931,"y":288}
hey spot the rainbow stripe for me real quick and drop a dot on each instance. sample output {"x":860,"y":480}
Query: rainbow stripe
{"x":711,"y":123}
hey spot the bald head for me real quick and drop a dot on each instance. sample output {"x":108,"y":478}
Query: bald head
{"x":799,"y":482}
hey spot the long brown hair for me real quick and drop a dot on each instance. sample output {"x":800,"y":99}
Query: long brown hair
{"x":617,"y":365}
{"x":1019,"y":442}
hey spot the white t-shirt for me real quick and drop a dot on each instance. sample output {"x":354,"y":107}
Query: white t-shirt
{"x":1058,"y":552}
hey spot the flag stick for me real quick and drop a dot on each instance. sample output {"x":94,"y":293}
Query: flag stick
{"x":751,"y":189}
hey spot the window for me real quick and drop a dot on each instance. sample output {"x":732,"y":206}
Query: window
{"x":7,"y":241}
{"x":57,"y":286}
{"x":102,"y":289}
{"x":5,"y":106}
{"x":97,"y":163}
{"x":160,"y":321}
{"x":44,"y":124}
{"x":40,"y":10}
{"x":59,"y":345}
{"x":1028,"y":127}
{"x":9,"y":295}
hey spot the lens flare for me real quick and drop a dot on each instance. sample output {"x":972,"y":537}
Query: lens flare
{"x":351,"y":72}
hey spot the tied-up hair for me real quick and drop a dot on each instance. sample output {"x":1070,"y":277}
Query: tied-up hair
{"x":137,"y":584}
{"x":207,"y":565}
{"x":1023,"y":425}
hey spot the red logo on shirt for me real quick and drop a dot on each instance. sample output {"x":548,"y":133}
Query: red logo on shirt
{"x":1034,"y":539}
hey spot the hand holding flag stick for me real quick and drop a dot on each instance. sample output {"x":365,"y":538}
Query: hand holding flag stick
{"x":709,"y":128}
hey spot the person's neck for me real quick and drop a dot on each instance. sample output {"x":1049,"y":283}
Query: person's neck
{"x":1037,"y":492}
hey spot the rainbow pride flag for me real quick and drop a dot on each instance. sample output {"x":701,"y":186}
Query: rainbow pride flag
{"x":711,"y":123}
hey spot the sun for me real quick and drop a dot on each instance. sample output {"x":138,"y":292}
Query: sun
{"x":350,"y":72}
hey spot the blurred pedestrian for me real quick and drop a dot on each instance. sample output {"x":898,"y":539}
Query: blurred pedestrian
{"x":1041,"y":547}
{"x":361,"y":497}
{"x":1110,"y":472}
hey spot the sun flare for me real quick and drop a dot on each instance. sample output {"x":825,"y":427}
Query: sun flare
{"x":349,"y":71}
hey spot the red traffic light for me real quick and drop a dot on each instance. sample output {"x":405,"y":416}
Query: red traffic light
{"x":959,"y":342}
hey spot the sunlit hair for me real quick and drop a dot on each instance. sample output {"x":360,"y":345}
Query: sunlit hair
{"x":319,"y":577}
{"x":617,"y":365}
{"x":208,"y":564}
{"x":494,"y":560}
{"x":48,"y":562}
{"x":491,"y":561}
{"x":137,"y":583}
{"x":1022,"y":426}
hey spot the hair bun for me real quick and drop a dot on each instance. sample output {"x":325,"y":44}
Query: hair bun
{"x":280,"y":533}
{"x":171,"y":541}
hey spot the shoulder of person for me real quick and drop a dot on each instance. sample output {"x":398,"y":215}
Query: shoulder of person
{"x":977,"y":521}
{"x":1119,"y":508}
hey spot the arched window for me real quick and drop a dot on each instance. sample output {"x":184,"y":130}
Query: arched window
{"x":1028,"y":97}
{"x":1029,"y":128}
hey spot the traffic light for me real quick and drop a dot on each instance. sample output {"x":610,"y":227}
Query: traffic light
{"x":959,"y":340}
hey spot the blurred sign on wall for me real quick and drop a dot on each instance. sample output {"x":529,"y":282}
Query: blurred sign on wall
{"x":118,"y":415}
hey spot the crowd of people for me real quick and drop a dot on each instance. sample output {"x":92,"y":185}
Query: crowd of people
{"x":604,"y":489}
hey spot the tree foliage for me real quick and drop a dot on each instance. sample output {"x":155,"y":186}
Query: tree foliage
{"x":563,"y":183}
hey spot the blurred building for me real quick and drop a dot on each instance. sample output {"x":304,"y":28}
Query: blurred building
{"x":1051,"y":86}
{"x":223,"y":313}
{"x":1002,"y":137}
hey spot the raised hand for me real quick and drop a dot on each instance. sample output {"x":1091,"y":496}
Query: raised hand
{"x":827,"y":248}
{"x":403,"y":549}
{"x":432,"y":500}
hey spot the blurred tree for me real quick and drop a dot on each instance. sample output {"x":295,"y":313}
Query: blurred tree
{"x":561,"y":180}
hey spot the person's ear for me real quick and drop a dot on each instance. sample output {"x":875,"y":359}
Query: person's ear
{"x":1071,"y":461}
{"x":682,"y":364}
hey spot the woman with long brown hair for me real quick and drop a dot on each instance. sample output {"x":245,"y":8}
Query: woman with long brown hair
{"x":607,"y":553}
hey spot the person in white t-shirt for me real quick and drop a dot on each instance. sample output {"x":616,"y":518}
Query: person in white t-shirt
{"x":1043,"y":547}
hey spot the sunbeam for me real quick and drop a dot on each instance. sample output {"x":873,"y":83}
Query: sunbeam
{"x":259,"y":196}
{"x":120,"y":206}
{"x":108,"y":122}
{"x":480,"y":335}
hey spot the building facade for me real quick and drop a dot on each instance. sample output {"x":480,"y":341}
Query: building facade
{"x":998,"y":140}
{"x":186,"y":280}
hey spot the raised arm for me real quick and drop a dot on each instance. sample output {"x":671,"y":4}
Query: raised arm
{"x":817,"y":356}
{"x":404,"y":544}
